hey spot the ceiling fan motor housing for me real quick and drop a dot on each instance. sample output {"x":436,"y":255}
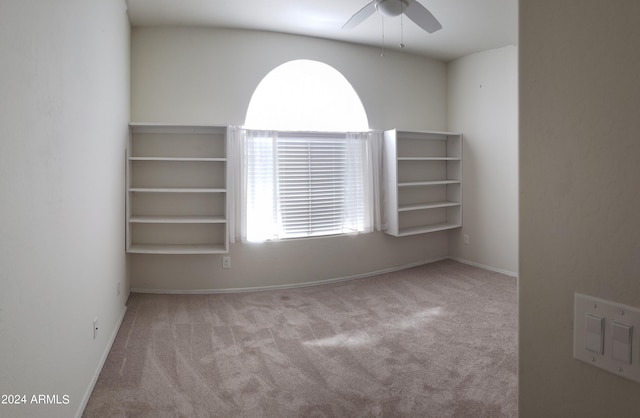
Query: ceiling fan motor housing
{"x":392,"y":7}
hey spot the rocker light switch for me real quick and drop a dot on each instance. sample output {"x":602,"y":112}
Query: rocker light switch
{"x":594,"y":333}
{"x":621,"y":343}
{"x":606,"y":335}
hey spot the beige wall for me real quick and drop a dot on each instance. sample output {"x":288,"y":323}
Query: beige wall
{"x":483,"y":105}
{"x":64,"y":107}
{"x":579,"y":194}
{"x":182,"y":75}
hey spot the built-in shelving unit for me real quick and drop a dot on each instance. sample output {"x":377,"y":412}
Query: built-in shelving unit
{"x":423,"y":181}
{"x":177,"y":189}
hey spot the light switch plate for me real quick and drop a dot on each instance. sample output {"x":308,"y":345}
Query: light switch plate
{"x":620,"y":326}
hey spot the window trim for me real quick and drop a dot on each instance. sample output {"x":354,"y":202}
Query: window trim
{"x":372,"y":141}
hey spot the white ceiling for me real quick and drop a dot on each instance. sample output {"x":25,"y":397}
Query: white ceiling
{"x":468,"y":25}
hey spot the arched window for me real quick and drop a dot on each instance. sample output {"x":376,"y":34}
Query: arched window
{"x":304,"y":95}
{"x":307,"y":156}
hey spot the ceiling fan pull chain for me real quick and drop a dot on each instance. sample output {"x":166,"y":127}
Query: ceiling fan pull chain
{"x":402,"y":30}
{"x":382,"y":20}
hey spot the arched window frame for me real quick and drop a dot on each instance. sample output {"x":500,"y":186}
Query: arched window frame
{"x":306,"y":95}
{"x":304,"y":180}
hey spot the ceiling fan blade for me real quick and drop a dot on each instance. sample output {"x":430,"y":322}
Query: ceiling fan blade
{"x":360,"y":16}
{"x":422,"y":17}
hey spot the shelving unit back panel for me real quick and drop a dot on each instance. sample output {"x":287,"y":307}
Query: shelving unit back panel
{"x":427,"y":218}
{"x":179,"y":204}
{"x":163,"y":174}
{"x":419,"y":218}
{"x":177,"y":234}
{"x":420,"y":147}
{"x":454,"y":215}
{"x":454,"y":146}
{"x":412,"y":171}
{"x":175,"y":145}
{"x":454,"y":193}
{"x":454,"y":171}
{"x":422,"y":194}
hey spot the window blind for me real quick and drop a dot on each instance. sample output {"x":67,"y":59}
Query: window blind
{"x":312,"y":176}
{"x":305,"y":185}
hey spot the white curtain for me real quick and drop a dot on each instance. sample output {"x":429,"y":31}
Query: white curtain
{"x":251,"y":205}
{"x":367,"y":170}
{"x":255,"y":196}
{"x":235,"y":181}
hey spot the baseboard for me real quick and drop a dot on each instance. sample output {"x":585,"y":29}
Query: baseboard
{"x":287,"y":286}
{"x":105,"y":354}
{"x":484,"y":266}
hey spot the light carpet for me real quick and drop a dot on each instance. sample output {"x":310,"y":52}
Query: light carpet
{"x":437,"y":340}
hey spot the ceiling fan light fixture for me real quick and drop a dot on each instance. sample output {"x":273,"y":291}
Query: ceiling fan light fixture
{"x":392,"y":8}
{"x":411,"y":8}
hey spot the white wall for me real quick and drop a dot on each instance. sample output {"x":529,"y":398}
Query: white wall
{"x":579,"y":195}
{"x":64,"y":107}
{"x":182,"y":75}
{"x":483,"y":105}
{"x":190,"y":75}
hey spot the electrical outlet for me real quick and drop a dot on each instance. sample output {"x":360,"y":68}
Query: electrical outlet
{"x":226,"y":262}
{"x":465,"y":238}
{"x":95,"y":328}
{"x":118,"y":289}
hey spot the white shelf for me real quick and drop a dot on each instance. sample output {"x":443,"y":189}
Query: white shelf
{"x":178,"y":219}
{"x":177,"y":189}
{"x":421,"y":206}
{"x":185,"y":159}
{"x":177,"y":249}
{"x":170,"y":128}
{"x":428,"y":159}
{"x":428,"y":183}
{"x":428,"y":228}
{"x":423,"y":181}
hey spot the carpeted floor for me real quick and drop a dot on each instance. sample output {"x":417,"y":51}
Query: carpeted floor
{"x":432,"y":341}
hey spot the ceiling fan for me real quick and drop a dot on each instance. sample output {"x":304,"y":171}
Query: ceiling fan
{"x":411,"y":8}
